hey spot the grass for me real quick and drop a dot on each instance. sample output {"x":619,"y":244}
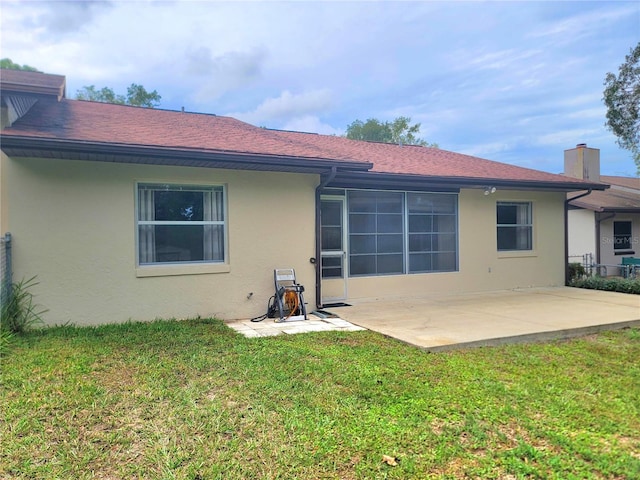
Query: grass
{"x":194,"y":400}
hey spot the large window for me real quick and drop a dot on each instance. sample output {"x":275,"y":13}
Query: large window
{"x":432,"y":232}
{"x":515,"y":226}
{"x":180,"y":224}
{"x":622,"y":235}
{"x":376,"y":233}
{"x":396,"y":232}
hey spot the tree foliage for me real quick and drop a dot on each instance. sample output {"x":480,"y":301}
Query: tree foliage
{"x":400,"y":131}
{"x":136,"y":95}
{"x":622,"y":99}
{"x":11,"y":65}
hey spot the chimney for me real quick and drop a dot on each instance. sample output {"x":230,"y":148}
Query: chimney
{"x":582,"y":162}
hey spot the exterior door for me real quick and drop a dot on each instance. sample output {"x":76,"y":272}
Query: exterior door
{"x":334,"y":254}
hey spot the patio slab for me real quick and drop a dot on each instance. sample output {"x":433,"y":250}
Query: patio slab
{"x":445,"y":322}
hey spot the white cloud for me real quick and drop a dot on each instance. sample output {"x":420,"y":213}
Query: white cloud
{"x":568,"y":137}
{"x":587,"y":23}
{"x":288,"y":106}
{"x":311,"y":124}
{"x":586,"y":113}
{"x":52,"y":20}
{"x":502,"y":59}
{"x":487,"y":150}
{"x":216,"y":75}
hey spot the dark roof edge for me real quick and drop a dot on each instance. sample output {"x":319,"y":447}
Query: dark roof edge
{"x":461,"y":182}
{"x":18,"y":88}
{"x":22,"y":145}
{"x":602,"y":209}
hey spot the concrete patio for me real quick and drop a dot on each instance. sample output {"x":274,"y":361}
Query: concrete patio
{"x":492,"y":318}
{"x":438,"y":323}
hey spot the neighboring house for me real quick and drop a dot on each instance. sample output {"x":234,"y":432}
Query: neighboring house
{"x":603,"y":225}
{"x":134,"y":213}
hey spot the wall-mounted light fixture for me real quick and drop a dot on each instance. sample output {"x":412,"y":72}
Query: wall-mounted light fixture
{"x":489,"y":190}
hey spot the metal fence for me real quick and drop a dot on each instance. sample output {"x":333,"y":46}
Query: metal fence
{"x":5,"y":268}
{"x":586,"y":261}
{"x":592,"y":268}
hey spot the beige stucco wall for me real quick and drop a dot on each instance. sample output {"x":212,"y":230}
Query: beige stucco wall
{"x":73,"y":226}
{"x":582,"y":234}
{"x":481,"y":266}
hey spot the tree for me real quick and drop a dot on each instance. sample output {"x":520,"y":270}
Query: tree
{"x":400,"y":131}
{"x":104,"y":95}
{"x":622,"y":99}
{"x":9,"y":64}
{"x":137,"y":95}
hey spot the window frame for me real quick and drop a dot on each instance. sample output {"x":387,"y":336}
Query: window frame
{"x":529,"y":226}
{"x":436,"y":234}
{"x":156,"y":268}
{"x":624,"y":246}
{"x":406,"y":232}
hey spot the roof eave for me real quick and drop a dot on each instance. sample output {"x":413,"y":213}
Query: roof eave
{"x":603,"y":209}
{"x":19,"y":146}
{"x":38,"y":91}
{"x":342,"y":180}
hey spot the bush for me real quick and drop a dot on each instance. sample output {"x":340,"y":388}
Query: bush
{"x":623,"y":285}
{"x":19,"y":313}
{"x":576,"y":271}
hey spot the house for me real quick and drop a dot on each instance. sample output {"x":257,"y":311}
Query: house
{"x":604,"y":226}
{"x":134,"y":213}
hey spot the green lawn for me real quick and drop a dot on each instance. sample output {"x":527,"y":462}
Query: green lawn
{"x":195,"y":400}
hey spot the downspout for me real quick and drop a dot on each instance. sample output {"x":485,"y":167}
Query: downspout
{"x":325,"y":179}
{"x":566,"y":233}
{"x":599,"y":220}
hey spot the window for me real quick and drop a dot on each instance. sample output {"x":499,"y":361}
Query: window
{"x":180,"y":224}
{"x":622,"y":235}
{"x":515,"y":226}
{"x":396,"y":232}
{"x":376,"y":240}
{"x":432,"y":232}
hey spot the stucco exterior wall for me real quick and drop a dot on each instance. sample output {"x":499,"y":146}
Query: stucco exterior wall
{"x":582,"y":234}
{"x":73,"y":225}
{"x":481,"y":266}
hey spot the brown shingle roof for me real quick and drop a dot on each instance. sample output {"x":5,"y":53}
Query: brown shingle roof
{"x":627,"y":182}
{"x":423,"y":161}
{"x":623,"y":196}
{"x":120,"y":124}
{"x":32,"y":82}
{"x":99,"y":123}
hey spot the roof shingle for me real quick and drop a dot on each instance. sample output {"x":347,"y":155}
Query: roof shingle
{"x":624,"y":195}
{"x":81,"y":121}
{"x":32,"y":82}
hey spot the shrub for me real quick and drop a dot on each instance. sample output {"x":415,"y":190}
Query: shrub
{"x":576,"y":270}
{"x":623,"y":285}
{"x":20,"y":313}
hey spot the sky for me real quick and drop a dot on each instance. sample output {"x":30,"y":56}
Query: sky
{"x":513,"y":81}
